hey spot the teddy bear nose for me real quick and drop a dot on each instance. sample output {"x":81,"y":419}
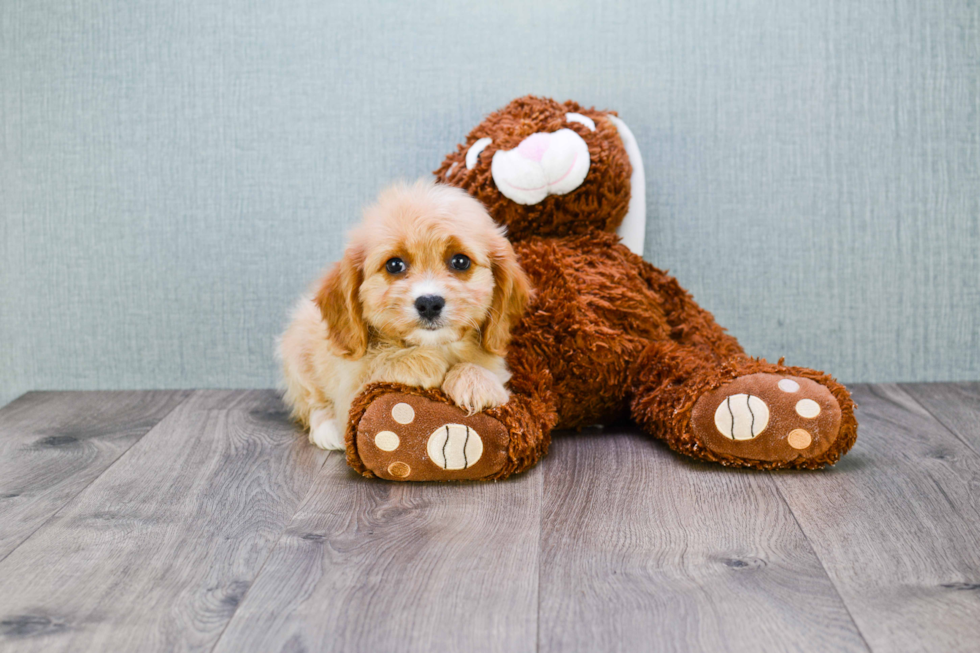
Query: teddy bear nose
{"x":429,"y":306}
{"x":533,"y":147}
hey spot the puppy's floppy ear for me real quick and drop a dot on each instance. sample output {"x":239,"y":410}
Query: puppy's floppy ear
{"x":340,"y":306}
{"x":511,"y":292}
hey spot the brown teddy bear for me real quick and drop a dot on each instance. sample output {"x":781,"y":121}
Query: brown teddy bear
{"x":606,"y":337}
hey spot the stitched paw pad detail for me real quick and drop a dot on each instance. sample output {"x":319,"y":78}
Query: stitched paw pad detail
{"x":767,"y":417}
{"x":454,"y":447}
{"x":404,"y":437}
{"x":741,"y":416}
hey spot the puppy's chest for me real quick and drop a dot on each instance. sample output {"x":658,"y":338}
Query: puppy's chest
{"x":419,"y":366}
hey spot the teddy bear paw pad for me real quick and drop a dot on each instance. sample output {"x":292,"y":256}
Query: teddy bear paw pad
{"x":764,"y":417}
{"x":403,"y":437}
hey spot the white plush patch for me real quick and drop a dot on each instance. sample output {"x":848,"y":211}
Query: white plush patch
{"x":807,"y":408}
{"x":542,"y":164}
{"x":454,"y":446}
{"x":474,"y":152}
{"x":582,"y":120}
{"x":387,"y":440}
{"x":742,"y":417}
{"x":788,"y":385}
{"x":403,"y":413}
{"x":449,"y":173}
{"x":634,"y":225}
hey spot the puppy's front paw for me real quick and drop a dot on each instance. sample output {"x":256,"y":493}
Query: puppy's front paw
{"x":325,"y":434}
{"x":474,"y":388}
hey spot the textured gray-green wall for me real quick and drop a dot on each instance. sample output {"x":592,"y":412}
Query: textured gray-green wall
{"x":175,"y":172}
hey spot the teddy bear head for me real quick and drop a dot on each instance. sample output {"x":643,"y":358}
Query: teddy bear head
{"x":545,"y":168}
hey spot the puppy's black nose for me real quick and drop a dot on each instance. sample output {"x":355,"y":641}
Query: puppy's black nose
{"x":429,"y":306}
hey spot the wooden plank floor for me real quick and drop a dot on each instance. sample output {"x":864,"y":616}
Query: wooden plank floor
{"x":202,"y":520}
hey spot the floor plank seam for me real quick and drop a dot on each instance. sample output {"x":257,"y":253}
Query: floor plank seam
{"x":537,"y":586}
{"x":816,"y":555}
{"x":97,"y":477}
{"x":937,"y":419}
{"x":272,"y":550}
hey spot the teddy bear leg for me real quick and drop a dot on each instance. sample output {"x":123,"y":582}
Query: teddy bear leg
{"x":402,"y":433}
{"x":742,"y":411}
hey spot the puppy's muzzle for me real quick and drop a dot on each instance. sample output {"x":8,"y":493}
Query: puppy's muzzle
{"x":429,"y":307}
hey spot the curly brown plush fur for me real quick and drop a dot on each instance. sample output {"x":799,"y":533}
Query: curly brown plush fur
{"x":609,"y":337}
{"x":599,"y":203}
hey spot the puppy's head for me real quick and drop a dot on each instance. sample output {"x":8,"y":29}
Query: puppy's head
{"x":427,"y":266}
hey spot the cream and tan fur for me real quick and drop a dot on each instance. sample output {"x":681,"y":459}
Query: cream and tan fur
{"x":363,"y":325}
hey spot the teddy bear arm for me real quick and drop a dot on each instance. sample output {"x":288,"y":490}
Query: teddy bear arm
{"x":404,"y":433}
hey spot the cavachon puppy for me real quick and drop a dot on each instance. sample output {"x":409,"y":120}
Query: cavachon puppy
{"x":425,"y":296}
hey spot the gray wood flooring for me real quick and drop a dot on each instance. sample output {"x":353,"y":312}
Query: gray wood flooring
{"x":202,"y":520}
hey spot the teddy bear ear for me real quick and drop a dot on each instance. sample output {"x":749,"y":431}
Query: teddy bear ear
{"x":633,"y":228}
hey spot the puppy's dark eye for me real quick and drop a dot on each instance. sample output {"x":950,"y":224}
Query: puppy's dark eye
{"x":460,"y":262}
{"x":395,"y":266}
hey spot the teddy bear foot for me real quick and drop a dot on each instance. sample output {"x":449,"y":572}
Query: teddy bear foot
{"x":406,"y":437}
{"x":768,"y":420}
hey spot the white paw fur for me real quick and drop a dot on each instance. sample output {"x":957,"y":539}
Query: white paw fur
{"x":324,"y":432}
{"x":474,"y":388}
